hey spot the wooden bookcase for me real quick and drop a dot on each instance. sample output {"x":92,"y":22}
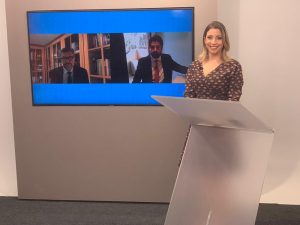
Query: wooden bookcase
{"x":97,"y":51}
{"x":92,"y":52}
{"x":53,"y":52}
{"x":38,"y":64}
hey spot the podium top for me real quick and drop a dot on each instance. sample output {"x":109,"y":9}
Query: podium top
{"x":206,"y":112}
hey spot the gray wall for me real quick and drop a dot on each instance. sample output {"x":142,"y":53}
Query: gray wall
{"x":92,"y":153}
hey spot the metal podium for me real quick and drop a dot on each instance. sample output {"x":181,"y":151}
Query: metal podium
{"x":222,"y":171}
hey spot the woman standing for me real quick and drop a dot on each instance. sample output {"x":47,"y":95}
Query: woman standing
{"x":215,"y":75}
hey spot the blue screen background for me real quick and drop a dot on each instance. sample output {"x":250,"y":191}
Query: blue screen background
{"x":110,"y":21}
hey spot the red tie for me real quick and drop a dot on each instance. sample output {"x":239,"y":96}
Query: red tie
{"x":156,"y":71}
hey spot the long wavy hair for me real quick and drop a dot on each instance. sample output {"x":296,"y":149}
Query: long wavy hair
{"x":226,"y":45}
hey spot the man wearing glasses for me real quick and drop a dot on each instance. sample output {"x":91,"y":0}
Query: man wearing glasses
{"x":69,"y":73}
{"x":156,"y":67}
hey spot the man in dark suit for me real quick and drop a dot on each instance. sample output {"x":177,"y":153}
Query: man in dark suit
{"x":156,"y":67}
{"x":68,"y":73}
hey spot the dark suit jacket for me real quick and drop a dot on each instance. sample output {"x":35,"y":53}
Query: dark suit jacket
{"x":80,"y":75}
{"x":144,"y":69}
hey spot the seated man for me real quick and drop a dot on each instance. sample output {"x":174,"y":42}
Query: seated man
{"x":156,"y":67}
{"x":68,"y":73}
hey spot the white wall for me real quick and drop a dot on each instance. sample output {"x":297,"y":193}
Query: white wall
{"x":8,"y":179}
{"x":265,"y":35}
{"x":108,"y":154}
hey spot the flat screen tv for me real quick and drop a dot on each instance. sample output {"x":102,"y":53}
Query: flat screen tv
{"x":108,"y":44}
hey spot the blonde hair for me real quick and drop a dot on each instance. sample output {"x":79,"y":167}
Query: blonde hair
{"x":226,"y":45}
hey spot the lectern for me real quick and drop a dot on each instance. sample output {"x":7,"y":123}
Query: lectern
{"x":223,"y":167}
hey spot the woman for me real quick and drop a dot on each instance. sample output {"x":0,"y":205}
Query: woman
{"x":215,"y":75}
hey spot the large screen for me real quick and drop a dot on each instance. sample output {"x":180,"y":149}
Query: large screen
{"x":111,"y":59}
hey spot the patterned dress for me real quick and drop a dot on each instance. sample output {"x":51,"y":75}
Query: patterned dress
{"x":225,"y":82}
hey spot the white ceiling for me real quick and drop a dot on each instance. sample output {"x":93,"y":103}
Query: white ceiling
{"x":42,"y":39}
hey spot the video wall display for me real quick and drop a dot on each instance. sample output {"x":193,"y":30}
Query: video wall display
{"x":103,"y":57}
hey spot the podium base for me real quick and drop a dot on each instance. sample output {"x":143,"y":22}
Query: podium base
{"x":220,"y":178}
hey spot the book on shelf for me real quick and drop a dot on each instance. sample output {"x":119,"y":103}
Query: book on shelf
{"x":107,"y":67}
{"x":102,"y":39}
{"x":98,"y":37}
{"x":96,"y":42}
{"x":92,"y":41}
{"x":39,"y":67}
{"x":105,"y":39}
{"x":99,"y":66}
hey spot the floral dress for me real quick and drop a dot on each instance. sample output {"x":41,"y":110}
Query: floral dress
{"x":225,"y":82}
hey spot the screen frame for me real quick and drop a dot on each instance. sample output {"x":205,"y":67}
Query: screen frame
{"x":106,"y":10}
